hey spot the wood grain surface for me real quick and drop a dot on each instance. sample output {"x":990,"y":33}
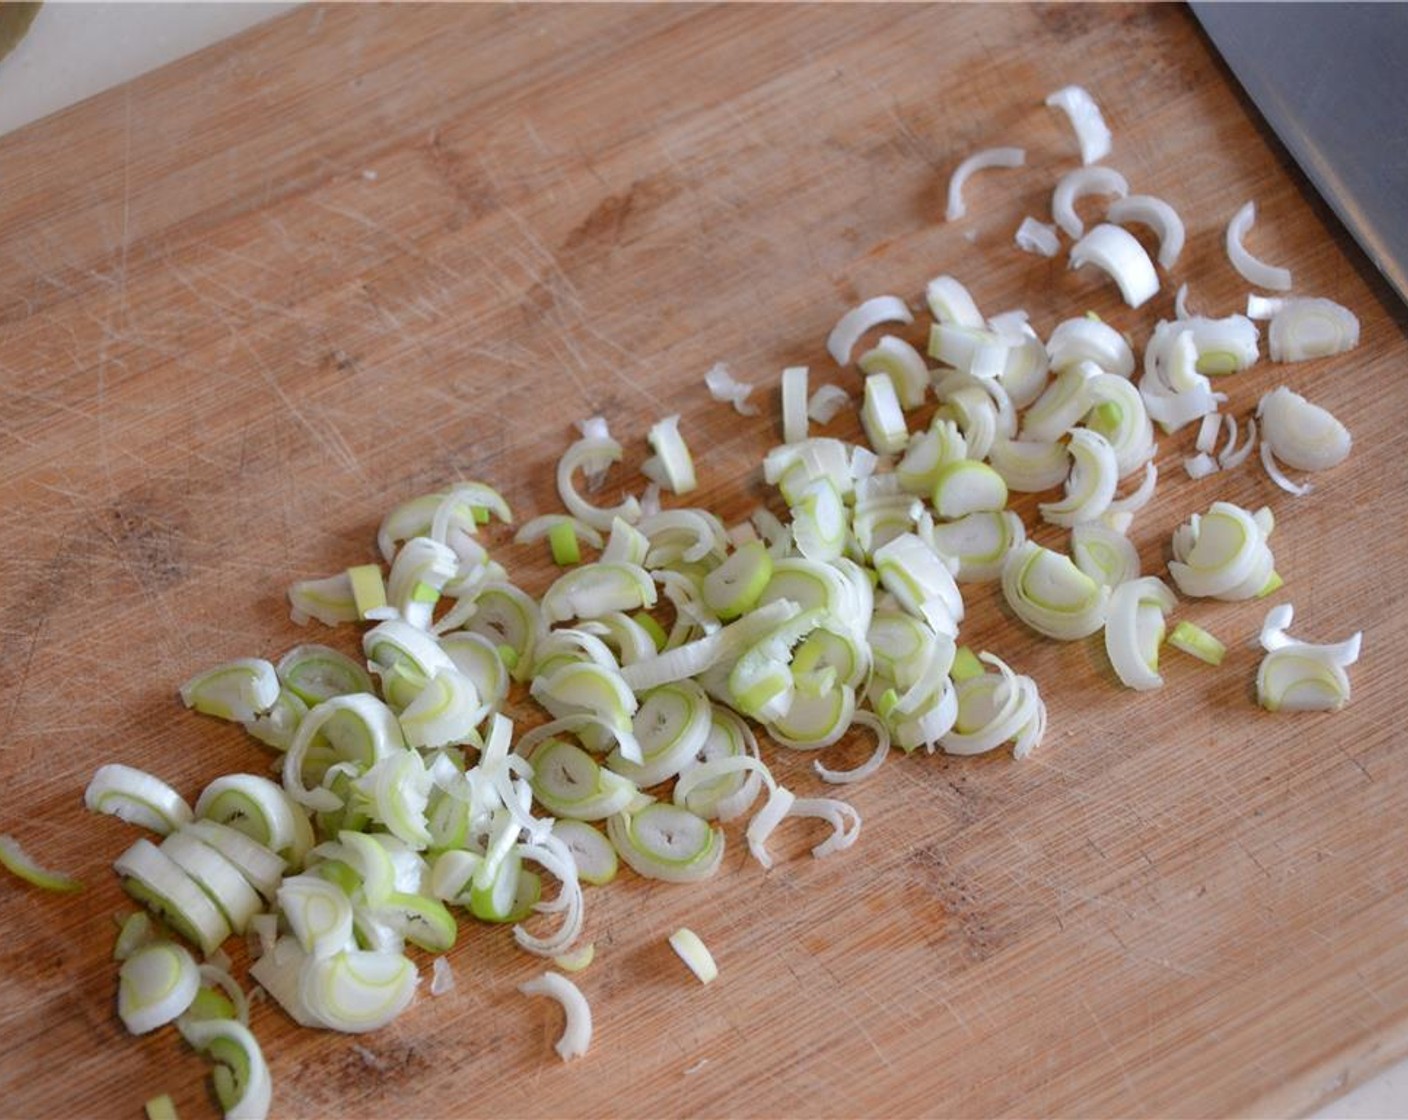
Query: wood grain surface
{"x":250,"y":301}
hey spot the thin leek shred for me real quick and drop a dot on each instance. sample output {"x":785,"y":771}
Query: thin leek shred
{"x":577,"y":1031}
{"x":978,"y":161}
{"x":1158,"y":215}
{"x":18,"y":862}
{"x":724,"y":387}
{"x":1074,"y":186}
{"x":1252,"y":270}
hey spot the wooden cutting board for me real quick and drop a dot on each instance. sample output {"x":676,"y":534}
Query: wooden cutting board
{"x":251,"y":301}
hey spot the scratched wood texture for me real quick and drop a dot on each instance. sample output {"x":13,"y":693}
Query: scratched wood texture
{"x":252,"y":300}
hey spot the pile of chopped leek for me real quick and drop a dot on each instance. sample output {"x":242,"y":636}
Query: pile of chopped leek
{"x":493,"y":753}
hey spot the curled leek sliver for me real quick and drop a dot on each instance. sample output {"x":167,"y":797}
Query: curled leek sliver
{"x":1301,"y":676}
{"x":1075,"y":185}
{"x":151,"y":877}
{"x":397,"y":789}
{"x":1087,"y":339}
{"x":588,"y":454}
{"x":1104,"y":555}
{"x":577,"y":1030}
{"x":667,"y":842}
{"x":552,"y":854}
{"x":241,"y":1077}
{"x":1116,"y":252}
{"x":478,"y":658}
{"x":1060,"y":405}
{"x":591,"y":851}
{"x":18,"y":862}
{"x":404,"y":657}
{"x":1300,"y":434}
{"x":871,"y":764}
{"x":695,"y":954}
{"x":855,"y":322}
{"x":1051,"y":595}
{"x":765,"y":822}
{"x":155,"y":985}
{"x":1252,"y":270}
{"x":136,"y":797}
{"x":950,"y":302}
{"x":1134,"y":629}
{"x":978,"y":161}
{"x":236,"y":690}
{"x":1118,"y":414}
{"x":816,"y":718}
{"x":357,"y":990}
{"x":926,"y":454}
{"x":994,"y":708}
{"x":819,"y":523}
{"x":509,"y":618}
{"x":592,"y":689}
{"x":725,"y":780}
{"x":1157,"y":214}
{"x":840,"y":815}
{"x":1080,"y":108}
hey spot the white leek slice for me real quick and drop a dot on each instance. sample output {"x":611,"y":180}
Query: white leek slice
{"x":1159,"y":216}
{"x":1134,"y":628}
{"x":478,"y":658}
{"x":725,"y":781}
{"x":357,"y":728}
{"x":153,"y":878}
{"x":260,"y":865}
{"x":816,"y":718}
{"x":980,"y":542}
{"x":1117,"y":412}
{"x":397,"y":791}
{"x":1051,"y":595}
{"x":924,"y":456}
{"x":724,"y":387}
{"x":1087,"y":339}
{"x":921,"y":581}
{"x":855,"y":322}
{"x":967,"y":486}
{"x":1075,"y":185}
{"x":1091,"y":486}
{"x":794,"y":404}
{"x":1301,"y":676}
{"x":671,"y":726}
{"x":216,"y":875}
{"x":825,"y":402}
{"x":882,"y":417}
{"x":155,"y":985}
{"x":237,"y":690}
{"x":419,"y":574}
{"x":597,"y":589}
{"x":995,"y":708}
{"x":975,"y":350}
{"x":1252,"y":270}
{"x":1221,"y":554}
{"x":259,"y":808}
{"x":329,"y":600}
{"x":587,"y":454}
{"x":136,"y":797}
{"x":1302,"y":435}
{"x":18,"y":862}
{"x":904,"y":365}
{"x":588,"y":688}
{"x":1116,"y":252}
{"x":357,"y":990}
{"x":577,"y":1029}
{"x":671,"y":465}
{"x":404,"y":657}
{"x":1197,"y":642}
{"x":316,"y":673}
{"x":978,"y":161}
{"x":241,"y":1077}
{"x":446,"y":711}
{"x":722,"y":645}
{"x":1061,"y":405}
{"x":1030,"y":466}
{"x":667,"y":842}
{"x":1037,"y":238}
{"x":1103,"y":554}
{"x":591,"y":851}
{"x":509,"y":617}
{"x":819,"y":522}
{"x":695,"y":954}
{"x":733,"y":588}
{"x":1092,"y":133}
{"x":318,"y":913}
{"x":950,"y":302}
{"x":1303,"y":329}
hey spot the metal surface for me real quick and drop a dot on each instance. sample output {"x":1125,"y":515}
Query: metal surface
{"x":1332,"y":80}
